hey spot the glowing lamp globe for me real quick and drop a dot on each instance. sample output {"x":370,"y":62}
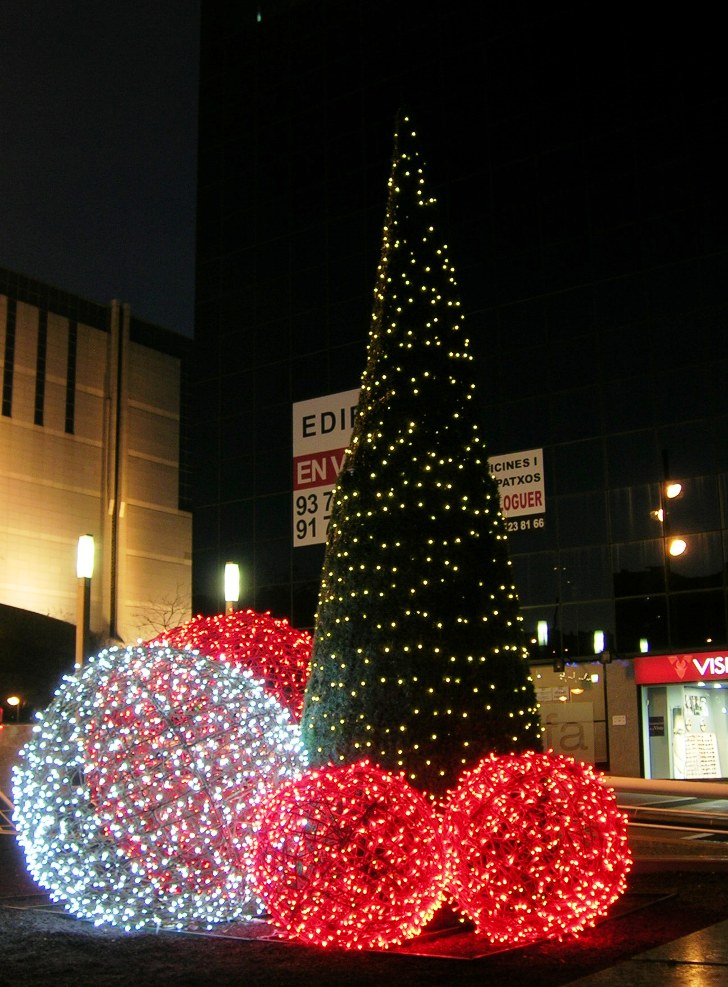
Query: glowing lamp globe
{"x":268,"y":646}
{"x":348,"y":856}
{"x":179,"y":751}
{"x":536,"y":846}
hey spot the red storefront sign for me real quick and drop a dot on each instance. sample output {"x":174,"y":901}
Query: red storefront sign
{"x":702,"y":666}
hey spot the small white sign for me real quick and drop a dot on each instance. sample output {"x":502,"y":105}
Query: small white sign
{"x":321,"y":431}
{"x":519,"y":476}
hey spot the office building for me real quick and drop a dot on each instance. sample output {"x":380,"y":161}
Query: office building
{"x":92,"y":441}
{"x":577,"y":165}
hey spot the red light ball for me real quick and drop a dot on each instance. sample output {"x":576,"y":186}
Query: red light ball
{"x":348,"y":856}
{"x":536,"y":846}
{"x":268,"y":646}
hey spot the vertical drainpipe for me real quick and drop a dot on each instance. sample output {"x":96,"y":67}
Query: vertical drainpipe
{"x":116,"y":443}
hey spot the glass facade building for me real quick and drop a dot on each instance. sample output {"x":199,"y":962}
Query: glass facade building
{"x":579,"y":176}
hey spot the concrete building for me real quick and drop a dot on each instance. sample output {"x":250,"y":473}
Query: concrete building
{"x":92,"y":441}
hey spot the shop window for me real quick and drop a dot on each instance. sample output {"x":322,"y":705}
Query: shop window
{"x":685,"y":730}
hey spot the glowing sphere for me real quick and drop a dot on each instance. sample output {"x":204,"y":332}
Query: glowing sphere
{"x":68,"y":851}
{"x":140,"y":736}
{"x":348,"y":856}
{"x":179,"y":751}
{"x":536,"y":846}
{"x":268,"y":646}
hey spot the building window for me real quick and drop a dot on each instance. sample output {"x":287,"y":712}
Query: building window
{"x":7,"y":408}
{"x":40,"y":366}
{"x":71,"y":376}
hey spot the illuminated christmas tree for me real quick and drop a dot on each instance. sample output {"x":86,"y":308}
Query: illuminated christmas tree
{"x":419,"y":661}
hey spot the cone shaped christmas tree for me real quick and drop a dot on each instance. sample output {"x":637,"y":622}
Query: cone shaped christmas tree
{"x":419,"y":661}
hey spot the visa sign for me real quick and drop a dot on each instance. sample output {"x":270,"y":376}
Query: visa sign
{"x":712,"y":666}
{"x":664,"y":669}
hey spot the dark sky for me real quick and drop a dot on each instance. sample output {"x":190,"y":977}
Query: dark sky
{"x":98,"y":124}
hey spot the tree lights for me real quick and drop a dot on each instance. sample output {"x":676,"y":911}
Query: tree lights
{"x":134,"y":796}
{"x":536,"y":846}
{"x":418,"y":620}
{"x":350,"y":857}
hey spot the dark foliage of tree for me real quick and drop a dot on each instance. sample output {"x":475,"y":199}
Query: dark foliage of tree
{"x":419,"y":661}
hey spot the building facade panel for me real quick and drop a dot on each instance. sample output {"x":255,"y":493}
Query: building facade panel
{"x":71,"y":419}
{"x":153,"y":434}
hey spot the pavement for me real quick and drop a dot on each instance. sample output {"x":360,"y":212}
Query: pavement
{"x":698,"y":960}
{"x":699,"y":843}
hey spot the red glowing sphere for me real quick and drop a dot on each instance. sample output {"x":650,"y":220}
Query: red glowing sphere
{"x":536,"y":846}
{"x":268,"y":646}
{"x":348,"y":856}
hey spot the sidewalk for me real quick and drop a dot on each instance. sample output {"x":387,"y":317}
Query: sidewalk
{"x":700,"y":959}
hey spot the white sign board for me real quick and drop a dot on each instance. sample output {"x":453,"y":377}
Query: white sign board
{"x":519,"y":476}
{"x":321,"y":431}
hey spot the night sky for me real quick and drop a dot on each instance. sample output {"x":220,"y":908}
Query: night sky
{"x":98,"y":124}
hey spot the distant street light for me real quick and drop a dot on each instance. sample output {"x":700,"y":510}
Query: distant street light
{"x":676,"y":547}
{"x":672,"y":489}
{"x":84,"y":572}
{"x":232,"y":586}
{"x":16,"y":702}
{"x":673,"y":546}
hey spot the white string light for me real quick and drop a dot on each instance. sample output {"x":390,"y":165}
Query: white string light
{"x":133,"y":797}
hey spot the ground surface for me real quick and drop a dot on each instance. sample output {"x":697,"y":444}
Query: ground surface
{"x":52,"y":948}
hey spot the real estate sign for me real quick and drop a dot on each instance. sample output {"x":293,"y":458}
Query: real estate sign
{"x":321,"y":431}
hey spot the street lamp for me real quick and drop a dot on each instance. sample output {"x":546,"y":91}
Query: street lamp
{"x":232,"y":586}
{"x":84,"y":572}
{"x":15,"y":701}
{"x":672,"y":546}
{"x":605,"y":657}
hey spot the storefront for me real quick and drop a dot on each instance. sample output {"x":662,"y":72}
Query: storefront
{"x":684,"y":712}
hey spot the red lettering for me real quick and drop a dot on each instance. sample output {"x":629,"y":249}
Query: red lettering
{"x":317,"y":470}
{"x":530,"y":500}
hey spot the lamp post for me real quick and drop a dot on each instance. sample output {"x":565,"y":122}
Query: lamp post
{"x":84,"y":572}
{"x":232,"y":586}
{"x":605,"y":657}
{"x":16,"y":702}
